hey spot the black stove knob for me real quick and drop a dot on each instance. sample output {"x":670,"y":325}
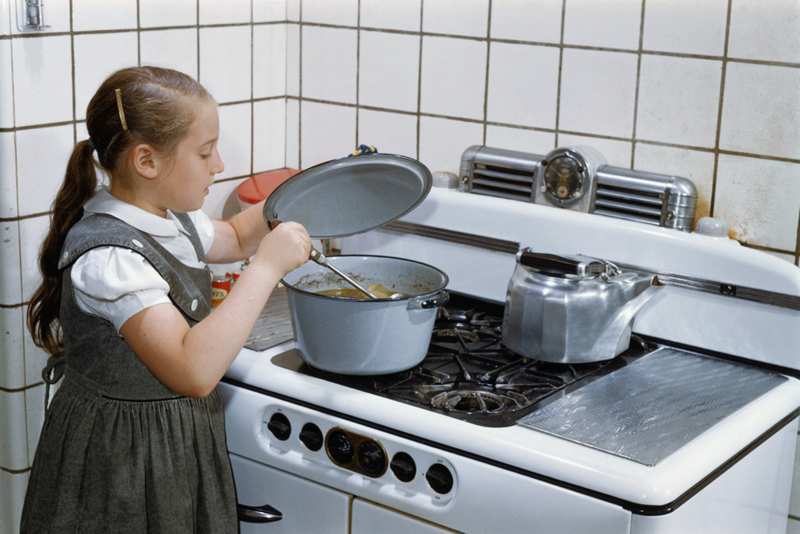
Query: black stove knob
{"x":371,"y":458}
{"x":403,"y":467}
{"x":440,"y":478}
{"x":311,"y":436}
{"x":279,"y":426}
{"x":340,"y":447}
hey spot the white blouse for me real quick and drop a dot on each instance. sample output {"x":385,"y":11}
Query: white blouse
{"x":116,"y":283}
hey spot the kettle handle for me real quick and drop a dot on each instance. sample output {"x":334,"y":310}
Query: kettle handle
{"x":553,"y":265}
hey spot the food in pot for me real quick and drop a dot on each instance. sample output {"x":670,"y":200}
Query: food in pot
{"x":379,"y":290}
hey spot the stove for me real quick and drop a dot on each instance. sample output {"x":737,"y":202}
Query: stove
{"x":691,"y":429}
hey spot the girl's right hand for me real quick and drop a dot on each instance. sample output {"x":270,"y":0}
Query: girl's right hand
{"x":285,"y":248}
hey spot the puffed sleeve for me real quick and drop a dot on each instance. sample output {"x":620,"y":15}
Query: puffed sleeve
{"x":116,"y":283}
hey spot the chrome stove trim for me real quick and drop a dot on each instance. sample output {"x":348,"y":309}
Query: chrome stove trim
{"x":451,"y":236}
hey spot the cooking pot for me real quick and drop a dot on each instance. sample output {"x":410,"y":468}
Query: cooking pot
{"x":572,"y":309}
{"x":362,"y":336}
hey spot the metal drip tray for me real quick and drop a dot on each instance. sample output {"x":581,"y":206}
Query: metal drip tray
{"x":654,"y":406}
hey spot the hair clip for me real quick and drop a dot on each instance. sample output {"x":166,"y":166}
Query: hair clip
{"x":119,"y":106}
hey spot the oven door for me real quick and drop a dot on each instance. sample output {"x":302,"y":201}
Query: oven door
{"x":305,"y":506}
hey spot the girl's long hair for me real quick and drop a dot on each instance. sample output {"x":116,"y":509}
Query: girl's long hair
{"x":159,"y":105}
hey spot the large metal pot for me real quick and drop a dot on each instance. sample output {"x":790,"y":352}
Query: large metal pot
{"x":358,"y":336}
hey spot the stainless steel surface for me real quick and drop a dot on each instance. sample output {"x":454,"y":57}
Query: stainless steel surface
{"x":572,"y":318}
{"x":273,"y":326}
{"x":361,"y":336}
{"x":654,"y":406}
{"x":319,"y":258}
{"x":644,"y":197}
{"x":350,"y":195}
{"x":451,"y":236}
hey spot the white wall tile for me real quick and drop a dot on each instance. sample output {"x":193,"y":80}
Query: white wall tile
{"x":293,"y":134}
{"x":6,"y":85}
{"x":759,"y":199}
{"x":388,"y":75}
{"x":235,"y":139}
{"x":617,"y":153}
{"x":227,"y":12}
{"x":269,"y":60}
{"x":339,"y":13}
{"x":598,"y":92}
{"x":448,"y":64}
{"x":42,"y":74}
{"x":328,"y":131}
{"x":768,"y":30}
{"x":269,"y":135}
{"x":56,"y":17}
{"x":390,"y":133}
{"x":97,"y":56}
{"x":8,"y":176}
{"x":530,"y":141}
{"x":293,"y":60}
{"x":31,"y":234}
{"x":173,"y":49}
{"x":38,"y":178}
{"x":402,"y":15}
{"x":293,"y":10}
{"x":10,"y":267}
{"x":695,"y":165}
{"x":523,"y":84}
{"x":329,"y":64}
{"x":12,"y":329}
{"x":269,"y":10}
{"x":679,"y":100}
{"x":7,"y":15}
{"x":12,"y":495}
{"x":226,"y":75}
{"x":222,"y":202}
{"x":605,"y":24}
{"x":13,"y":444}
{"x":443,"y":141}
{"x":90,"y":15}
{"x":685,"y":27}
{"x":456,"y":17}
{"x":761,"y":111}
{"x":35,"y":362}
{"x":523,"y":20}
{"x":160,"y":14}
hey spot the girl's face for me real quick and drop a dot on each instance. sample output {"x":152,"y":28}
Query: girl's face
{"x":192,"y":168}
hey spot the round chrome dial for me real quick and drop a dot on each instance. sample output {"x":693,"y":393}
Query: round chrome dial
{"x":565,"y":180}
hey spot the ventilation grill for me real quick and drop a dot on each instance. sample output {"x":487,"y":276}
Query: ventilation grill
{"x":630,"y":204}
{"x":492,"y":180}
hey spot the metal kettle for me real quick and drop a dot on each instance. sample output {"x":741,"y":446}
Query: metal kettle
{"x":572,"y":309}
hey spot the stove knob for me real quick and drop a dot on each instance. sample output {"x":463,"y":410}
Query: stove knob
{"x":311,"y":436}
{"x":403,"y":467}
{"x":279,"y":426}
{"x":371,"y":458}
{"x":340,"y":447}
{"x":440,"y":478}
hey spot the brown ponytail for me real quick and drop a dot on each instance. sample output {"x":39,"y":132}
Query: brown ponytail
{"x":158,"y":106}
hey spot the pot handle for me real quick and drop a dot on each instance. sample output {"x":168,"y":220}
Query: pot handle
{"x":426,"y":302}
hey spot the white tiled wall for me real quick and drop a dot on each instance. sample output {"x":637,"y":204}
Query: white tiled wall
{"x":686,"y":88}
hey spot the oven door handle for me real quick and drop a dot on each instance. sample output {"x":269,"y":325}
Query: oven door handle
{"x":258,"y":514}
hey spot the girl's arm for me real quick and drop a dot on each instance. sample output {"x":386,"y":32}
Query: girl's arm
{"x":239,"y":237}
{"x":191,"y":361}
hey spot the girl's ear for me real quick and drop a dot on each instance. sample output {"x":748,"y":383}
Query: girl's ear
{"x":144,"y":161}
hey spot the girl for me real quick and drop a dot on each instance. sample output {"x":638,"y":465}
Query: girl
{"x":134,"y":439}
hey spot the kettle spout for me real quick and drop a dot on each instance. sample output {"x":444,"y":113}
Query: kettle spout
{"x":616,"y":336}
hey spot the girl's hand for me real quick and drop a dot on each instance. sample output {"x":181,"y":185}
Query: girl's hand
{"x":285,"y":248}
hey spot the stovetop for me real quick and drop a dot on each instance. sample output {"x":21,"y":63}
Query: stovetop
{"x":470,"y":375}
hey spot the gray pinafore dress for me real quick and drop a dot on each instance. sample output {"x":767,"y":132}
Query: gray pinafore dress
{"x":119,"y":451}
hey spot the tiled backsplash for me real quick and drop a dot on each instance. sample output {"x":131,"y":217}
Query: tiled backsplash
{"x":693,"y":89}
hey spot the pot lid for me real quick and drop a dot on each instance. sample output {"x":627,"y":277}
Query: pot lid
{"x":350,"y":195}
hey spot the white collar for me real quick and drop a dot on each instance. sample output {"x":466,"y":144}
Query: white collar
{"x":103,"y":202}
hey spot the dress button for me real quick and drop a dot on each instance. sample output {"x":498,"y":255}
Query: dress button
{"x":137,"y":243}
{"x":194,"y":304}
